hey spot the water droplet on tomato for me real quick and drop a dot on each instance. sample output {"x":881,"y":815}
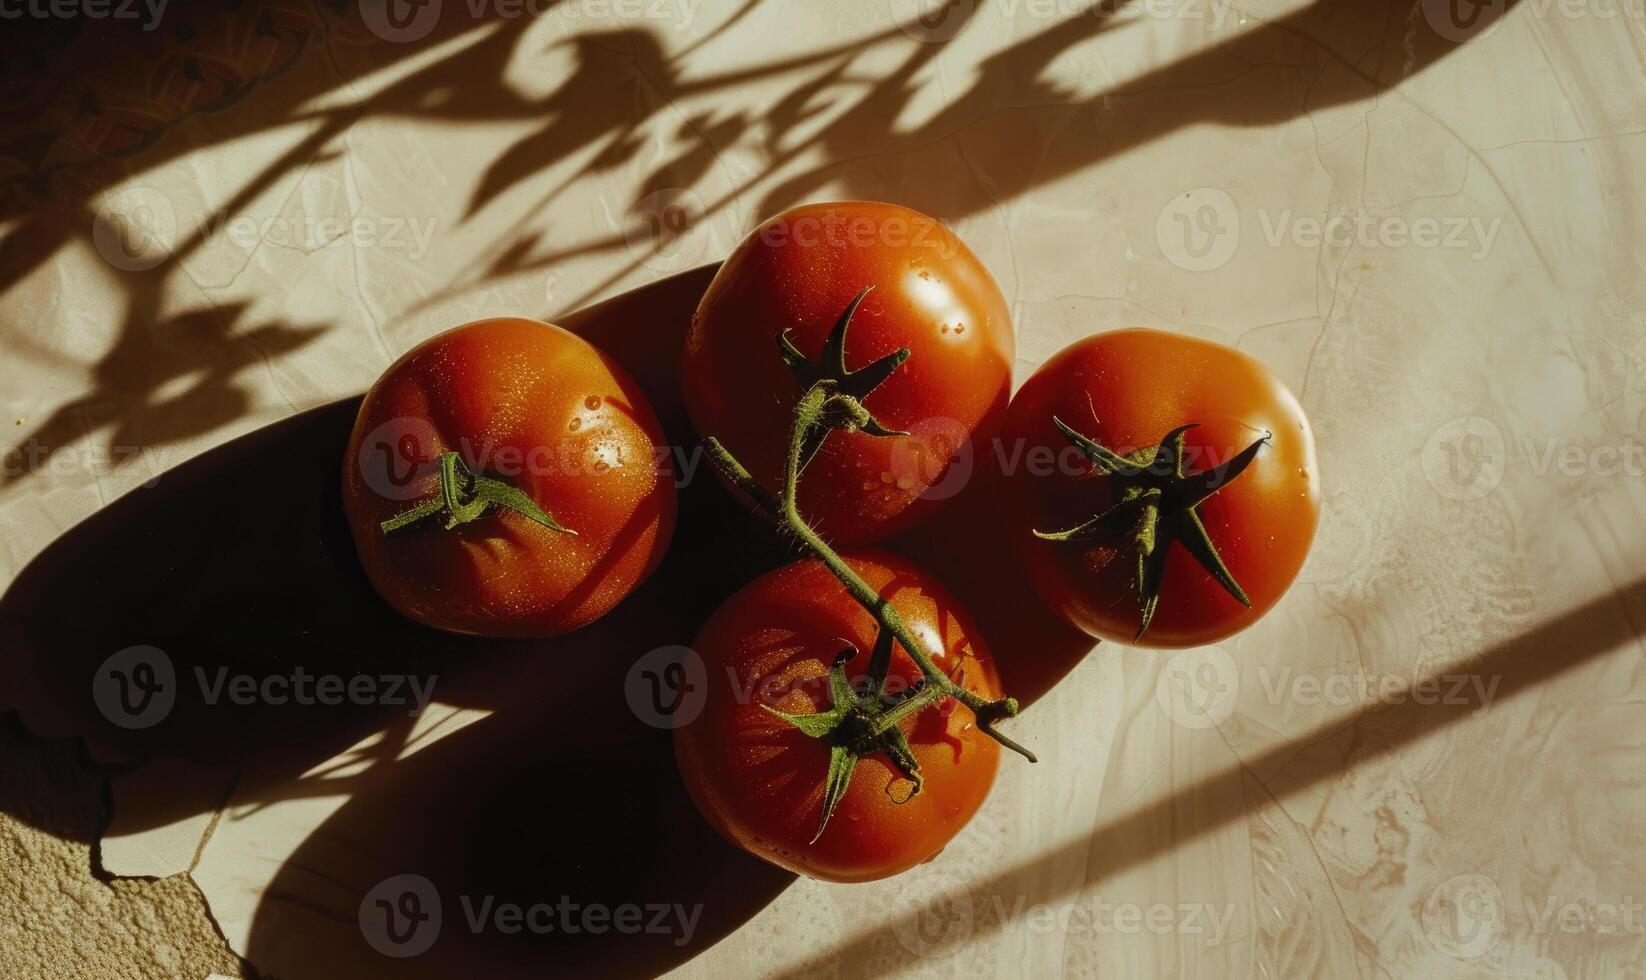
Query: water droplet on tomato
{"x":592,"y":402}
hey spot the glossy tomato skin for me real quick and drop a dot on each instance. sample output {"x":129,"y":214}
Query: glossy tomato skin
{"x":1126,"y":389}
{"x":799,"y":270}
{"x":545,"y":410}
{"x":759,"y":780}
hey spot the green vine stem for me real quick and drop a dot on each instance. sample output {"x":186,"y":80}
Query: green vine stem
{"x":855,"y":725}
{"x":784,"y":508}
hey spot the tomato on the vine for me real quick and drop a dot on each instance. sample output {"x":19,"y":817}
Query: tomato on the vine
{"x":761,"y":781}
{"x":507,"y":478}
{"x":928,"y":294}
{"x":1163,"y":489}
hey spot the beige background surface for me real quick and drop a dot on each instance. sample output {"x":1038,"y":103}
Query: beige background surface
{"x":1431,"y":231}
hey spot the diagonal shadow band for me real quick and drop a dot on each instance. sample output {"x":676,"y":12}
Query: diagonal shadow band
{"x":1522,"y":663}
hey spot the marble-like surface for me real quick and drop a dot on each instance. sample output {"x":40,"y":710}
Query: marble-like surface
{"x":1431,"y":230}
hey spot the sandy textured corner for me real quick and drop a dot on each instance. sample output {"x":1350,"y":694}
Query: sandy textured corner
{"x":57,"y":919}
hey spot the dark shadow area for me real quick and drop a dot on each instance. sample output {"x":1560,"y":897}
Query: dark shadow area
{"x":240,"y":562}
{"x":564,"y":798}
{"x":1558,"y":646}
{"x":238,"y":559}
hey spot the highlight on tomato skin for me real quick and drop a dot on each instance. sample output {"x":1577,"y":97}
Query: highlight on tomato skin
{"x":760,"y":781}
{"x":566,"y":500}
{"x":928,"y":294}
{"x":1127,"y":391}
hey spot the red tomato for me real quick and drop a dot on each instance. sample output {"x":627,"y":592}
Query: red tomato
{"x":760,"y":781}
{"x":531,"y":407}
{"x":931,"y":295}
{"x":1126,"y":391}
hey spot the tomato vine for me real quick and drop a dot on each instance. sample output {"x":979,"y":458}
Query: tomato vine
{"x":857,"y":724}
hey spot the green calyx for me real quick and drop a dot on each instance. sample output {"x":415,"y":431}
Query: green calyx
{"x":843,"y":410}
{"x":466,"y":496}
{"x":861,"y":724}
{"x":1155,"y":506}
{"x":857,"y":724}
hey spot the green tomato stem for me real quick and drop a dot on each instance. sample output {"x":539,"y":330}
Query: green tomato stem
{"x":465,"y":496}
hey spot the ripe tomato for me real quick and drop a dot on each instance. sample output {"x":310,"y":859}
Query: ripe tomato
{"x":530,"y":410}
{"x":1127,"y":391}
{"x":798,"y":271}
{"x":760,"y":780}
